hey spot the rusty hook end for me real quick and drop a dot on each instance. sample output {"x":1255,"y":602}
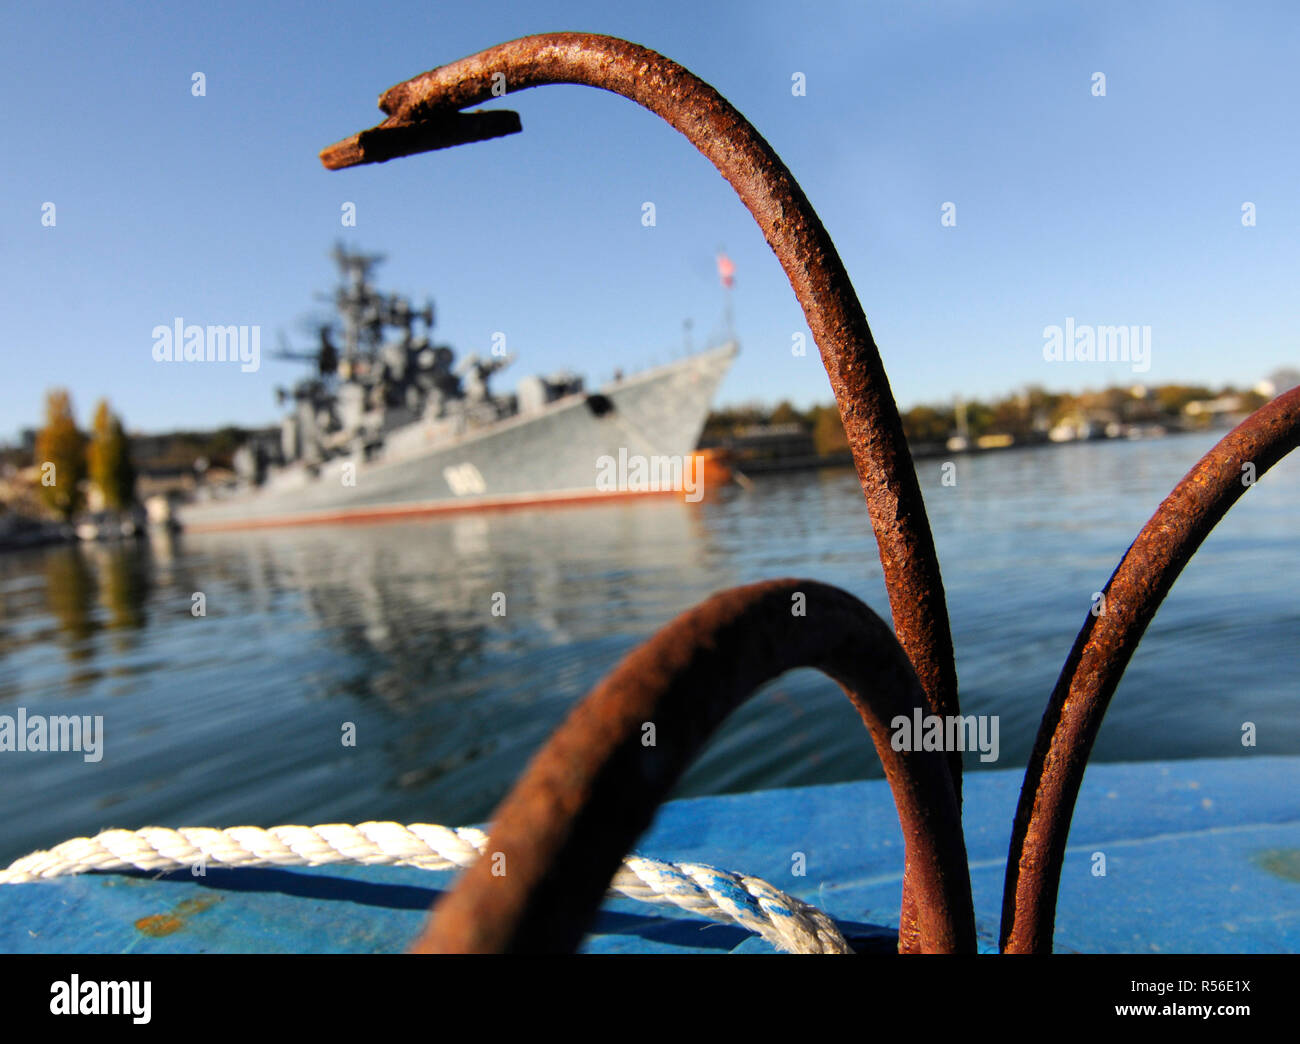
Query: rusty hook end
{"x":399,"y":137}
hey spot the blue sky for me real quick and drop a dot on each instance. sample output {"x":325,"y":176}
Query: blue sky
{"x":1123,"y":209}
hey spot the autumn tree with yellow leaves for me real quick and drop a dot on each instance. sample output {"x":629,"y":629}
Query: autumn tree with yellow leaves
{"x":60,"y":455}
{"x":110,"y":460}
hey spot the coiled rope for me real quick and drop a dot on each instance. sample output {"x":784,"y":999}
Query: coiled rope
{"x":787,"y":923}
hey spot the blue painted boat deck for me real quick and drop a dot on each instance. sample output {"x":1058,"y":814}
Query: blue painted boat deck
{"x":1201,"y":857}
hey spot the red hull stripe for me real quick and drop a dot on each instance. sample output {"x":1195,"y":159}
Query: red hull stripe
{"x":436,"y":507}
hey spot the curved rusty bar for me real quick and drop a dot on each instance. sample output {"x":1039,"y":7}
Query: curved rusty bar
{"x":423,"y":115}
{"x":1102,"y":651}
{"x":585,"y":798}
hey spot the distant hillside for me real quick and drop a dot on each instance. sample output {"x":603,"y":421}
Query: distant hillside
{"x":175,"y":452}
{"x":1027,"y":416}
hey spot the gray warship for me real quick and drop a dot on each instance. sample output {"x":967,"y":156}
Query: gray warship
{"x":392,"y":425}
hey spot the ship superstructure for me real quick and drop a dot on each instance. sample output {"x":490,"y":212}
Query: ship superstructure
{"x":391,"y":423}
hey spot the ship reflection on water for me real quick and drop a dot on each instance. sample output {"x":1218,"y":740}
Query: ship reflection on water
{"x":228,"y":665}
{"x":426,"y":604}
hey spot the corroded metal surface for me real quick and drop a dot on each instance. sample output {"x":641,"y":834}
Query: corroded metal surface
{"x":559,"y":836}
{"x":592,"y":790}
{"x":396,"y":138}
{"x":797,"y":237}
{"x":793,"y":231}
{"x":1102,"y":651}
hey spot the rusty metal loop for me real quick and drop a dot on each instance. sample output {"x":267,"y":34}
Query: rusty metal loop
{"x":558,"y":837}
{"x":599,"y":739}
{"x":422,"y":105}
{"x":1102,"y":651}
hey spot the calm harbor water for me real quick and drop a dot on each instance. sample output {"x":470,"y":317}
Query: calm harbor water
{"x":236,"y":716}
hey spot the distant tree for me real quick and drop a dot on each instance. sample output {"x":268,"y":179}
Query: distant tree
{"x":828,"y":431}
{"x":732,"y":419}
{"x":1024,"y":414}
{"x":1011,"y":417}
{"x":923,"y":424}
{"x":1040,"y":399}
{"x":1173,"y":397}
{"x":221,"y":445}
{"x":110,"y":460}
{"x":1252,"y":400}
{"x":1067,"y":407}
{"x":785,"y":413}
{"x":60,"y":455}
{"x":979,"y":418}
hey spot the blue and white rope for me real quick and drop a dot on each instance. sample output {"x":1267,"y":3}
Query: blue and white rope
{"x":787,"y":923}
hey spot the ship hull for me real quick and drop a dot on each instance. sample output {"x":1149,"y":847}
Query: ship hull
{"x":573,"y":450}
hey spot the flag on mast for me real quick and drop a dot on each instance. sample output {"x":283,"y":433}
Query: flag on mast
{"x":726,"y":270}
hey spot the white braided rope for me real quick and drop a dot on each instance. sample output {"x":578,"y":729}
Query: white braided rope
{"x":786,"y":922}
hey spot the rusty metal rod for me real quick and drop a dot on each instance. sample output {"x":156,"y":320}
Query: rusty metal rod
{"x":558,"y":837}
{"x":796,"y":235}
{"x":1103,"y":650}
{"x":394,"y":138}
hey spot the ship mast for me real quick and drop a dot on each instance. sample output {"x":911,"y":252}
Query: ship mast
{"x":361,"y":307}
